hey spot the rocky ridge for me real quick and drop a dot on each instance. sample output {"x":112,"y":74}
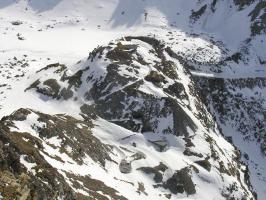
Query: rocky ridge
{"x":138,"y":102}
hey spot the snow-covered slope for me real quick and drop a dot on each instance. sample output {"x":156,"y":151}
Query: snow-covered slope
{"x":143,"y":106}
{"x":207,"y":66}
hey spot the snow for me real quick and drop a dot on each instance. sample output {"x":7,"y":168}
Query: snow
{"x":29,"y":125}
{"x":55,"y":141}
{"x":149,"y":88}
{"x":66,"y":31}
{"x":28,"y":165}
{"x":256,"y":160}
{"x":172,"y":157}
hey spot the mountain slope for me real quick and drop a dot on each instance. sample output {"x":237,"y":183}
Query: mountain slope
{"x":203,"y":76}
{"x":168,"y":136}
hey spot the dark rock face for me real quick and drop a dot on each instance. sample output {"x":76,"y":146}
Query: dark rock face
{"x":205,"y":164}
{"x":157,"y":171}
{"x":52,"y":88}
{"x":197,"y":14}
{"x":181,"y":119}
{"x":154,"y":77}
{"x":242,"y":3}
{"x":181,"y":182}
{"x":80,"y":140}
{"x":66,"y":94}
{"x":43,"y":181}
{"x":245,"y":113}
{"x":16,"y":182}
{"x":258,"y":17}
{"x":57,"y":66}
{"x":112,"y":105}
